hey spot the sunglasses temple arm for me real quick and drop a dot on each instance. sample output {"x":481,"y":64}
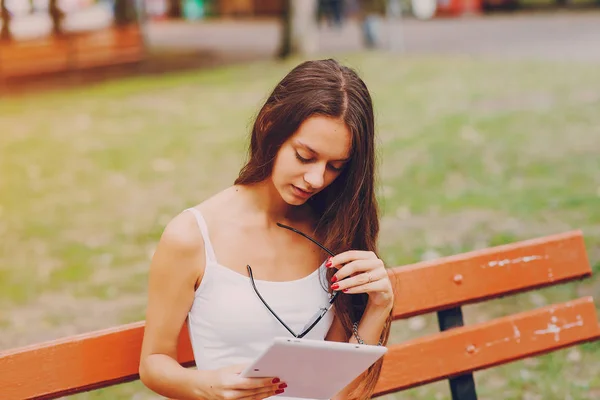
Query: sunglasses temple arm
{"x":332,"y":299}
{"x":265,"y":303}
{"x":307,"y":237}
{"x":314,"y":321}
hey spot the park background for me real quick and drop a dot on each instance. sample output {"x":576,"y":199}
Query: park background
{"x":488,"y":127}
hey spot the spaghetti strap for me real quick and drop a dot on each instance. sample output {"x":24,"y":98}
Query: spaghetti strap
{"x":210,"y":252}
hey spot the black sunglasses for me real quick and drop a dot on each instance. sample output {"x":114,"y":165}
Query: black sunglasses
{"x":319,"y":314}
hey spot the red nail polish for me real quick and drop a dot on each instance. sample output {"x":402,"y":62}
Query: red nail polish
{"x":334,"y":279}
{"x":328,"y":263}
{"x":283,"y":386}
{"x":279,"y":391}
{"x":345,"y":290}
{"x":276,"y":380}
{"x":335,"y":286}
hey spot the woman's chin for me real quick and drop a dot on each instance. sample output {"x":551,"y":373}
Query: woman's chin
{"x":294,"y":201}
{"x":292,"y":198}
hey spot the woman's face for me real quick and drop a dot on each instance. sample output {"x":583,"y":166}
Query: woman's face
{"x":311,"y":158}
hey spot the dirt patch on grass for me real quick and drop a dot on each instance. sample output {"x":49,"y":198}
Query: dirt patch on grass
{"x":466,"y":229}
{"x":55,"y":315}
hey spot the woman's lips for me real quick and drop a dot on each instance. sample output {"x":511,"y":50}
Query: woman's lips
{"x":301,"y":193}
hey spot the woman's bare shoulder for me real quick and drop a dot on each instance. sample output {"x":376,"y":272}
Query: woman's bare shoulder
{"x":182,"y":234}
{"x":179,"y":255}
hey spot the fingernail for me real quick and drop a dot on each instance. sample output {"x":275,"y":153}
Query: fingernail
{"x":328,"y":263}
{"x":279,"y":391}
{"x":283,"y":386}
{"x":334,"y":279}
{"x":345,"y":290}
{"x":335,"y":286}
{"x":276,"y":380}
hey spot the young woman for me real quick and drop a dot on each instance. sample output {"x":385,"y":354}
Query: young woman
{"x":235,"y":268}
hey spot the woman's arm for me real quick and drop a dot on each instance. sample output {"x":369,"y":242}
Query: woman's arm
{"x":176,"y":267}
{"x":370,"y":330}
{"x":362,"y":272}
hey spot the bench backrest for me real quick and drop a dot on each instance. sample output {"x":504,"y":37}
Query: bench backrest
{"x":111,"y":356}
{"x":74,"y":52}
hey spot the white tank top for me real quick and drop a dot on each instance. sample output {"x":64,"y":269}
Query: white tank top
{"x":228,"y":324}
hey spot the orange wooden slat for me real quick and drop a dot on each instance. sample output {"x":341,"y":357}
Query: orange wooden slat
{"x":75,"y":364}
{"x":36,"y":56}
{"x":493,"y":272}
{"x":79,"y":51}
{"x":107,"y":56}
{"x":471,"y":348}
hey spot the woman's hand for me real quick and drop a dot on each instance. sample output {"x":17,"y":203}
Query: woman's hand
{"x":362,"y":272}
{"x":226,"y":383}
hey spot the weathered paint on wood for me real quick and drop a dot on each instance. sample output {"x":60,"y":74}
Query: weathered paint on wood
{"x":471,"y":348}
{"x":489,"y":273}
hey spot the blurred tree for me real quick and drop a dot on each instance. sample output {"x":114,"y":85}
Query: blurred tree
{"x":299,"y":20}
{"x":371,"y":14}
{"x":57,"y":16}
{"x":175,"y":10}
{"x":377,"y":7}
{"x":125,"y":12}
{"x":5,"y":16}
{"x":285,"y":48}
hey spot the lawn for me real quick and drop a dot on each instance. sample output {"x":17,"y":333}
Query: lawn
{"x":473,"y":153}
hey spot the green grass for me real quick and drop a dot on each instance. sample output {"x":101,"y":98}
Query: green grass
{"x":473,"y":153}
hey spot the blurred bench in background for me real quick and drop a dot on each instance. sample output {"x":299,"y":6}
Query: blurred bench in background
{"x":76,"y":51}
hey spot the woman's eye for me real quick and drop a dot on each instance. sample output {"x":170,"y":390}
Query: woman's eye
{"x":309,"y":160}
{"x":302,"y":159}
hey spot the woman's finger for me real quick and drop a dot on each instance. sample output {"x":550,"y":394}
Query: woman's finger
{"x":358,"y":267}
{"x":255,"y":383}
{"x":371,"y":287}
{"x":353,"y":268}
{"x":350,"y":255}
{"x":361,"y":279}
{"x":262,"y":393}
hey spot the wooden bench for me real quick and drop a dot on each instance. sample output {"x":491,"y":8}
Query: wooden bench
{"x":107,"y":357}
{"x":72,"y":52}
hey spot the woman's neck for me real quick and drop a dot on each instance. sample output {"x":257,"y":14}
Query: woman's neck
{"x":263,"y":199}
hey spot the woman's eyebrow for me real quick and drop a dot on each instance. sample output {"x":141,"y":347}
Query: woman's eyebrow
{"x":313,"y":151}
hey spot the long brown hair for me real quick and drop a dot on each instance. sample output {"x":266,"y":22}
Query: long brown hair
{"x":347,"y":210}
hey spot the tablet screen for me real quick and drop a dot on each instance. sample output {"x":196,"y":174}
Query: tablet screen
{"x":314,"y":369}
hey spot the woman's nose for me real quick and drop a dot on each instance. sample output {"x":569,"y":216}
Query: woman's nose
{"x":315,"y":176}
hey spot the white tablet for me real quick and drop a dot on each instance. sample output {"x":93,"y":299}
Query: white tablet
{"x":313,"y":369}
